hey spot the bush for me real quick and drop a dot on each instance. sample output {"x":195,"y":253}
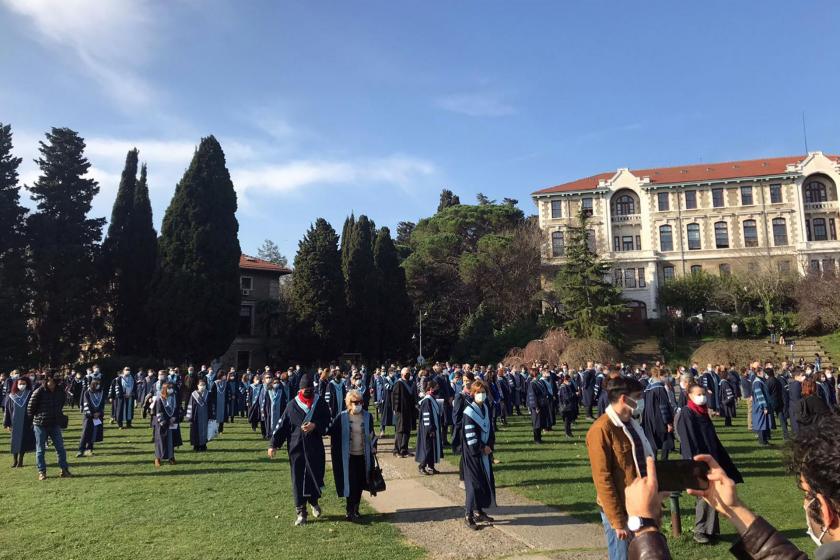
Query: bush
{"x":754,"y":325}
{"x":786,"y":323}
{"x":582,"y":350}
{"x":739,"y":352}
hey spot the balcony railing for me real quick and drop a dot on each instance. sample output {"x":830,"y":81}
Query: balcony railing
{"x":626,"y":218}
{"x":824,"y":205}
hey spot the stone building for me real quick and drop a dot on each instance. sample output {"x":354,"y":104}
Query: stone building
{"x":652,"y":225}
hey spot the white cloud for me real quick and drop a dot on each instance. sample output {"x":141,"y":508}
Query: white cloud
{"x":476,"y":104}
{"x":110,"y":39}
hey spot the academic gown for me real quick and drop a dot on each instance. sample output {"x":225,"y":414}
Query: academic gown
{"x":386,"y":411}
{"x":761,"y":400}
{"x":657,"y":416}
{"x":429,"y":432}
{"x":698,"y":436}
{"x":339,"y":432}
{"x":92,"y":403}
{"x":277,"y":401}
{"x":23,"y":436}
{"x":255,"y":404}
{"x":221,"y":397}
{"x":167,"y":433}
{"x":122,"y":391}
{"x":538,"y":404}
{"x":334,"y":397}
{"x":477,"y":433}
{"x":199,"y":412}
{"x":404,"y":403}
{"x":588,"y":387}
{"x":112,"y":396}
{"x":711,"y":382}
{"x":306,"y":451}
{"x":794,"y":389}
{"x":461,"y":401}
{"x":728,"y":399}
{"x":567,"y":398}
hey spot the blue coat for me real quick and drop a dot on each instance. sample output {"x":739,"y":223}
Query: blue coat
{"x":761,"y":402}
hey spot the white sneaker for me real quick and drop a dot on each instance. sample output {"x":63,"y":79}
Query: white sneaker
{"x":316,"y":511}
{"x":301,"y":520}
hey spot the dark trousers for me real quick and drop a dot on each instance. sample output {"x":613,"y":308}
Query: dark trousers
{"x":764,"y":437}
{"x":357,"y":482}
{"x":567,"y":423}
{"x":537,"y":435}
{"x":401,"y":442}
{"x":782,"y":420}
{"x":461,"y":469}
{"x":705,"y":519}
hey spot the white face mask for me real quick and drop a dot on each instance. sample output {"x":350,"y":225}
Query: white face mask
{"x":357,"y":409}
{"x":640,"y":408}
{"x":699,"y":400}
{"x":817,"y":540}
{"x":480,"y":397}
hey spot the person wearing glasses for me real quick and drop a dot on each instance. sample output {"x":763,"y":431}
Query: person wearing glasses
{"x":352,"y":445}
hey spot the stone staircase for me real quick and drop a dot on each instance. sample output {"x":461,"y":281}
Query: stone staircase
{"x":805,"y":348}
{"x":643,"y":350}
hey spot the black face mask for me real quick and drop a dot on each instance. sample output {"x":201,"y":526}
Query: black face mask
{"x":307,"y":393}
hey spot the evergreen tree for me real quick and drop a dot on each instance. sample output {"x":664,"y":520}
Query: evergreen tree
{"x":318,"y":297}
{"x":394,"y":309}
{"x":64,"y":248}
{"x":404,"y":230}
{"x":362,"y":288}
{"x":590,"y":303}
{"x":145,"y":244}
{"x":346,"y":233}
{"x":13,"y":296}
{"x":269,"y":251}
{"x":196,"y":285}
{"x":447,"y":199}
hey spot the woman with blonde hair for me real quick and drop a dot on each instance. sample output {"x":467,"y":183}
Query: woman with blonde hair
{"x":352,"y":445}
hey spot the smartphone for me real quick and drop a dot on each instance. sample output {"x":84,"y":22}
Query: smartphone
{"x":676,"y":476}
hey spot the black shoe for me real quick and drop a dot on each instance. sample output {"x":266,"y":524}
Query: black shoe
{"x":80,"y":454}
{"x":483,"y":517}
{"x":469,"y":521}
{"x":434,"y":471}
{"x":538,"y":441}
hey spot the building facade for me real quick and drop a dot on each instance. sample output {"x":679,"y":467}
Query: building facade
{"x":653,"y":225}
{"x":259,"y":282}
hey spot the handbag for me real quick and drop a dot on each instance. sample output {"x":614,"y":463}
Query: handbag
{"x":212,"y":429}
{"x":377,"y":481}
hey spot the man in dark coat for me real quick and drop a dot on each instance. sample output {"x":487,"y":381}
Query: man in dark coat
{"x":657,"y":417}
{"x":404,"y":404}
{"x":776,"y":390}
{"x":539,"y":405}
{"x":588,"y":389}
{"x":794,"y":391}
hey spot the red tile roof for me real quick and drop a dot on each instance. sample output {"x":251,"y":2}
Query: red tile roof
{"x":691,"y":173}
{"x":248,"y":262}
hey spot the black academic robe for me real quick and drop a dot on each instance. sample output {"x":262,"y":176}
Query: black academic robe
{"x":461,"y":400}
{"x":728,"y":398}
{"x":477,"y":433}
{"x":200,"y":410}
{"x":538,"y":404}
{"x":306,"y":451}
{"x":697,"y":436}
{"x":657,"y":416}
{"x":92,"y":403}
{"x":404,"y":403}
{"x":165,"y":418}
{"x":794,"y":390}
{"x":588,"y":387}
{"x":567,"y":398}
{"x":429,"y":432}
{"x":386,"y":411}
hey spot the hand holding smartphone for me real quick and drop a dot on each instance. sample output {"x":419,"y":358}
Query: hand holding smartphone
{"x":676,"y":476}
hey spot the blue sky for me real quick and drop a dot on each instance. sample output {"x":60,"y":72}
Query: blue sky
{"x":328,"y":107}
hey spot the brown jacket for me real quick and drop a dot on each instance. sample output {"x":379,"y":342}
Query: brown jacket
{"x":613,"y":465}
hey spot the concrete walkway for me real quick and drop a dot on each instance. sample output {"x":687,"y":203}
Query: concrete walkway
{"x":429,"y":511}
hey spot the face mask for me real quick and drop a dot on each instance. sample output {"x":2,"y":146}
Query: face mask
{"x":480,"y":397}
{"x":699,"y":400}
{"x":307,"y":393}
{"x":639,"y":409}
{"x":202,"y":387}
{"x":22,"y":387}
{"x":276,"y":386}
{"x":357,"y":409}
{"x":817,"y":540}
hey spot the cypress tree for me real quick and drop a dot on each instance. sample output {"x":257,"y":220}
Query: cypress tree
{"x":13,"y":297}
{"x":362,"y":287}
{"x":145,"y":243}
{"x":346,"y":233}
{"x":318,"y":292}
{"x":394,"y":309}
{"x":196,"y":299}
{"x":64,"y":248}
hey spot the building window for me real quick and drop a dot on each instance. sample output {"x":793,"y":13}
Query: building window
{"x":590,"y":240}
{"x":246,"y":283}
{"x":642,"y":282}
{"x":819,"y":229}
{"x":693,"y":236}
{"x":639,"y":242}
{"x":721,"y":235}
{"x":696,"y":268}
{"x":775,"y":193}
{"x":558,"y":246}
{"x":246,"y":313}
{"x":750,"y":234}
{"x":627,"y":243}
{"x":717,"y":198}
{"x":662,"y":200}
{"x":666,"y":239}
{"x":815,"y":265}
{"x":779,"y":232}
{"x":690,"y":200}
{"x":586,"y":206}
{"x":808,"y":230}
{"x":616,"y":243}
{"x":815,"y":192}
{"x":629,"y":277}
{"x":617,"y":277}
{"x":783,"y":266}
{"x":828,"y":266}
{"x":724,"y":269}
{"x":668,"y":273}
{"x":832,"y":229}
{"x":625,"y":205}
{"x":243,"y":360}
{"x":746,"y":196}
{"x":556,"y":209}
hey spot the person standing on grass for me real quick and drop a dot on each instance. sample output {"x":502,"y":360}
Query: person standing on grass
{"x":762,"y":409}
{"x":587,"y":379}
{"x":617,"y":449}
{"x":567,"y":399}
{"x":48,"y":420}
{"x":221,"y":394}
{"x":165,"y":418}
{"x":658,"y":418}
{"x":199,"y":412}
{"x":728,"y":392}
{"x":778,"y":399}
{"x":352,"y":446}
{"x":538,"y":404}
{"x":477,"y":442}
{"x":430,"y":431}
{"x":93,"y":409}
{"x":404,"y":403}
{"x":302,"y":425}
{"x":17,"y":421}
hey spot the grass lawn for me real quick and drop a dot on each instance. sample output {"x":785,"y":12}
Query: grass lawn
{"x":831,"y":343}
{"x":228,"y":503}
{"x":558,"y":474}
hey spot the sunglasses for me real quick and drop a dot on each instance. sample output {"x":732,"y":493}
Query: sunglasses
{"x":356,"y":402}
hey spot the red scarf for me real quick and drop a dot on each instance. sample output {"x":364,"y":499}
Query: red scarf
{"x":702,"y":410}
{"x":304,"y":400}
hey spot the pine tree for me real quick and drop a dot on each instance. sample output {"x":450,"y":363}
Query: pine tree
{"x":318,"y":297}
{"x":590,"y":303}
{"x":145,"y":244}
{"x":64,"y":248}
{"x":269,"y":251}
{"x":196,"y":286}
{"x":13,"y":293}
{"x":394,"y":310}
{"x":346,"y":233}
{"x":447,"y":199}
{"x":362,"y":287}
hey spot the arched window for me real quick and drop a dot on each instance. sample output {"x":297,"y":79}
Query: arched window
{"x":750,"y":234}
{"x":625,"y":205}
{"x":721,"y":235}
{"x":693,"y":231}
{"x":815,"y":192}
{"x":666,"y":239}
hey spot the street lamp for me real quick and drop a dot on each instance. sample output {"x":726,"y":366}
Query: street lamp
{"x":420,"y":314}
